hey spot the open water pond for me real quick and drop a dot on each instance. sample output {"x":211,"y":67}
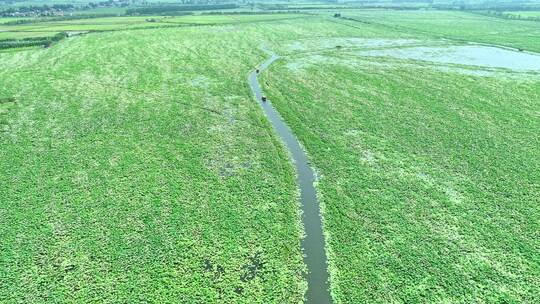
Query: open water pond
{"x":475,"y":55}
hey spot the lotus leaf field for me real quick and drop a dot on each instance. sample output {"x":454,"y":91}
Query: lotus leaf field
{"x":136,"y":166}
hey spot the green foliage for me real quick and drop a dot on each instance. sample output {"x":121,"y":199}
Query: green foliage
{"x":54,"y":19}
{"x":46,"y":27}
{"x":444,"y":25}
{"x":136,"y":166}
{"x":428,"y":175}
{"x":37,"y":41}
{"x":177,"y":9}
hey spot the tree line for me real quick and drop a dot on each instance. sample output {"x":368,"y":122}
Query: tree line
{"x":166,"y":9}
{"x":36,"y":41}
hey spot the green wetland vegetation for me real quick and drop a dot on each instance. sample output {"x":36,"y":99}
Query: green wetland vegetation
{"x":133,"y":174}
{"x":42,"y":27}
{"x":137,"y":166}
{"x":524,"y":14}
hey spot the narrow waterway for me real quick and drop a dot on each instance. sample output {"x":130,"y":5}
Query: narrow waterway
{"x":313,"y":246}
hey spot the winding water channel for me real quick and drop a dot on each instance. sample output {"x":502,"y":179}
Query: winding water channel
{"x":313,"y":246}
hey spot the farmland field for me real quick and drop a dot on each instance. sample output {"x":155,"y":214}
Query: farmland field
{"x":431,"y":192}
{"x":110,"y":151}
{"x":51,"y":28}
{"x":139,"y":168}
{"x":443,"y":25}
{"x":4,"y":20}
{"x":526,"y":14}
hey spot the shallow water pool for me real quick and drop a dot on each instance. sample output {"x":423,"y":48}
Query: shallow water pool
{"x":476,"y":55}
